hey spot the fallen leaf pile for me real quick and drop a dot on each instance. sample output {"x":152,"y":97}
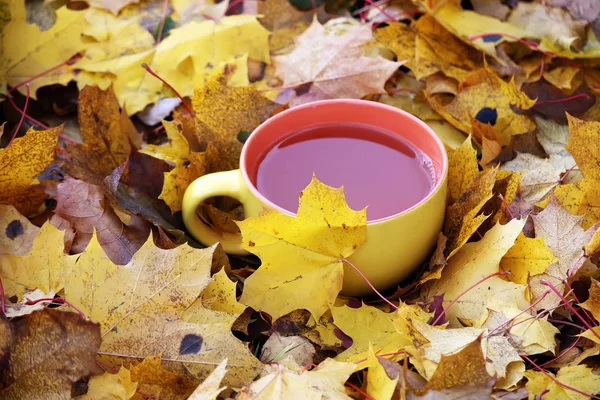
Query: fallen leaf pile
{"x":111,"y":108}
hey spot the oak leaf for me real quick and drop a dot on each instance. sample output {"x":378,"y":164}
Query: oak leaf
{"x":580,"y":377}
{"x":41,"y":268}
{"x":82,"y":208}
{"x":111,"y":386}
{"x":526,"y":257}
{"x":49,"y":350}
{"x":140,"y":307}
{"x":462,"y":169}
{"x":473,"y":262}
{"x":482,"y":89}
{"x":329,"y":58}
{"x":327,"y":380}
{"x":564,"y":236}
{"x":315,"y":243}
{"x":16,"y":232}
{"x":21,"y":163}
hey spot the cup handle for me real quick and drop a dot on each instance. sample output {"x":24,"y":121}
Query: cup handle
{"x":225,"y":183}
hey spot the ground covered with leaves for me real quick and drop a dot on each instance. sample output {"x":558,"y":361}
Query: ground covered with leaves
{"x":110,"y":108}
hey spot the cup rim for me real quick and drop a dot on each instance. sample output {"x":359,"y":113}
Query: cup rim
{"x":284,"y":114}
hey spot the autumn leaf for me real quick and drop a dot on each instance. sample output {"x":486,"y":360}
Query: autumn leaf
{"x":462,"y":169}
{"x":16,"y":232}
{"x":526,"y":257}
{"x":111,"y":5}
{"x":111,"y":386}
{"x":106,"y":145}
{"x":564,"y":236}
{"x":379,"y":384}
{"x":539,"y":176}
{"x":579,"y":377}
{"x":592,"y":304}
{"x":483,"y":90}
{"x":400,"y":39}
{"x":329,"y":58}
{"x":41,"y":268}
{"x":21,"y":163}
{"x":315,"y":242}
{"x":473,"y":262}
{"x":278,"y":382}
{"x":28,"y":303}
{"x":462,"y":374}
{"x":83,"y":209}
{"x":49,"y":351}
{"x":210,"y":388}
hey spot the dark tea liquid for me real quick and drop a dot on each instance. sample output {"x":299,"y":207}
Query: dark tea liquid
{"x":377,"y":168}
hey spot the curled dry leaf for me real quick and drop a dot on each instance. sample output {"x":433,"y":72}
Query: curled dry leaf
{"x":83,"y":209}
{"x":21,"y":163}
{"x":324,"y":232}
{"x":48,"y":351}
{"x":329,"y":58}
{"x":16,"y":232}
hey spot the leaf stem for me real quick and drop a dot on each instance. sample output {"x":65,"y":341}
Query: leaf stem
{"x":519,"y":314}
{"x":154,"y":74}
{"x":27,"y":81}
{"x":394,"y":307}
{"x":485,"y":278}
{"x":359,"y":390}
{"x":22,"y":116}
{"x":2,"y":299}
{"x":57,"y":300}
{"x":163,"y":17}
{"x":577,"y":96}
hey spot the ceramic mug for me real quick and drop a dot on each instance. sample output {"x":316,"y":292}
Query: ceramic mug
{"x":395,"y":245}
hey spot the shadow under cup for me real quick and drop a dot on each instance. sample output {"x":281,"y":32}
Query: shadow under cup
{"x":396,"y":245}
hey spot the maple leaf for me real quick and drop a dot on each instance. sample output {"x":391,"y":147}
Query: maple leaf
{"x":278,"y":382}
{"x":481,"y":90}
{"x":153,"y":290}
{"x":580,"y":377}
{"x":21,"y":163}
{"x":315,"y":242}
{"x":82,"y":208}
{"x":330,"y":59}
{"x":462,"y":219}
{"x":564,"y":236}
{"x":539,"y":176}
{"x":460,"y":375}
{"x":41,"y":268}
{"x":111,"y":386}
{"x":379,"y":384}
{"x":400,"y":39}
{"x":592,"y":304}
{"x":470,"y":264}
{"x":48,"y":351}
{"x":526,"y":257}
{"x":16,"y":232}
{"x":210,"y":388}
{"x":462,"y":169}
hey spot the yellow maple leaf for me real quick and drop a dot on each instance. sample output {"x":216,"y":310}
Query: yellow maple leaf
{"x":379,"y":384}
{"x":41,"y":268}
{"x":327,"y":380}
{"x":21,"y":163}
{"x":539,"y":175}
{"x":296,"y":252}
{"x":111,"y":386}
{"x":400,"y":39}
{"x":462,"y":169}
{"x":584,"y":146}
{"x":462,"y":219}
{"x":483,"y":89}
{"x":144,"y":301}
{"x":16,"y":232}
{"x":563,"y":77}
{"x":526,"y":257}
{"x":219,"y":295}
{"x":593,"y":246}
{"x":330,"y":59}
{"x":592,"y":304}
{"x":473,"y":262}
{"x":580,"y":377}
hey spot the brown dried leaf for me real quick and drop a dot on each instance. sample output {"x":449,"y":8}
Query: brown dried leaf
{"x":49,"y":351}
{"x":82,"y":209}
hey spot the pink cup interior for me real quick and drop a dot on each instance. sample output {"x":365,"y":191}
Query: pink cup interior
{"x":372,"y":113}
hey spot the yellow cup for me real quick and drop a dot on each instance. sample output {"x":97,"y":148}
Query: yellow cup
{"x":395,"y":245}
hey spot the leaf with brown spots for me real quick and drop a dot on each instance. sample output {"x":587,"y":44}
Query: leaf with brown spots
{"x":82,"y":208}
{"x":106,"y":143}
{"x":150,"y":306}
{"x":16,"y":232}
{"x":21,"y":163}
{"x":48,"y":351}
